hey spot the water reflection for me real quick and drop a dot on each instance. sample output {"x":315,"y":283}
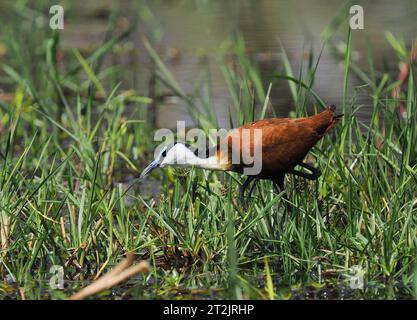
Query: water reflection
{"x":190,"y":37}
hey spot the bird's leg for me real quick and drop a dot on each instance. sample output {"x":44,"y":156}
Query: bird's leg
{"x":252,"y":188}
{"x":278,"y":184}
{"x":314,"y":175}
{"x":315,"y":172}
{"x":243,"y":188}
{"x":276,"y":187}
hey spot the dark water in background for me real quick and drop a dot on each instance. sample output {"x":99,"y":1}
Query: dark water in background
{"x":189,"y":35}
{"x":190,"y":30}
{"x":297,"y":25}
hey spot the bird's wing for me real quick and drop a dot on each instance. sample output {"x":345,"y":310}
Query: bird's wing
{"x":284,"y":143}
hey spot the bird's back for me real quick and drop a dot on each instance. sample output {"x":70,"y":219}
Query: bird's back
{"x":285,"y":141}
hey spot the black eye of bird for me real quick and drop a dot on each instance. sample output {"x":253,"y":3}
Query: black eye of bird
{"x":164,"y":153}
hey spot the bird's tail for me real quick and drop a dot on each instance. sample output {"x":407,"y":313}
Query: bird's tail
{"x":324,"y":121}
{"x":335,"y":119}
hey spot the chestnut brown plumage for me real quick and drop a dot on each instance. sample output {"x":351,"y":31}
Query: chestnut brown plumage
{"x":285,"y":143}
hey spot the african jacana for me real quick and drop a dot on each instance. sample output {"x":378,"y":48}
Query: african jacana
{"x":285,"y":143}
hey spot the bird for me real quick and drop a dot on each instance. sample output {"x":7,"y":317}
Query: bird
{"x":284,"y":143}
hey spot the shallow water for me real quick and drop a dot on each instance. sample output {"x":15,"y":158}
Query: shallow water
{"x":190,"y":35}
{"x":136,"y":288}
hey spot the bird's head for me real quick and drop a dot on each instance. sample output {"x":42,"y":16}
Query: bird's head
{"x":173,"y":154}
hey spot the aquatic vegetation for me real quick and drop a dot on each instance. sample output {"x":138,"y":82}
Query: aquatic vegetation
{"x":73,"y":141}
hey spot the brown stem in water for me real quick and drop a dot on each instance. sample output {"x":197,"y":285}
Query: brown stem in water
{"x":123,"y":271}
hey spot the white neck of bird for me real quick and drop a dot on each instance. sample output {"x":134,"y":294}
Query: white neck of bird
{"x":180,"y":156}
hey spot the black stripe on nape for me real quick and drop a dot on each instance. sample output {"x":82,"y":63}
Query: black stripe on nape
{"x":210,"y":151}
